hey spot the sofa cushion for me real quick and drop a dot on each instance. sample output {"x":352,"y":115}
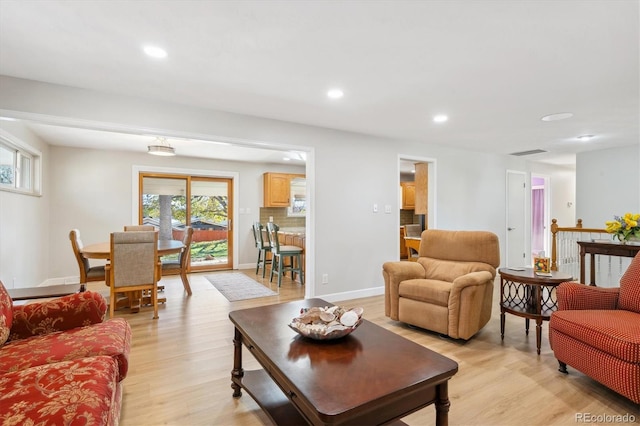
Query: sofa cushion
{"x":6,"y":314}
{"x":616,"y":332}
{"x":62,"y":313}
{"x":429,"y":291}
{"x":79,"y":392}
{"x":112,"y":338}
{"x":629,"y":298}
{"x":448,"y":270}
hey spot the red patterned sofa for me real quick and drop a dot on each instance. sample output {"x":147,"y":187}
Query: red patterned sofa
{"x":597,"y":331}
{"x":61,"y":362}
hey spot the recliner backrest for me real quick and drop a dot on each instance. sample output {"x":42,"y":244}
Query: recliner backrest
{"x":449,"y":270}
{"x":461,"y":246}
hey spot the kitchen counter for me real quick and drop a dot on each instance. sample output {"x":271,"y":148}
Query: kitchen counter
{"x":293,"y":231}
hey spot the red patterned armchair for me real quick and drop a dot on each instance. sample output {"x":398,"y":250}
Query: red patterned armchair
{"x":60,"y":362}
{"x":597,"y":331}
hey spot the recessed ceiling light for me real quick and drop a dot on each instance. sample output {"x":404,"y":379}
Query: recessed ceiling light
{"x":557,"y":116}
{"x":155,"y":52}
{"x":335,"y":93}
{"x":584,"y":137}
{"x":440,"y":118}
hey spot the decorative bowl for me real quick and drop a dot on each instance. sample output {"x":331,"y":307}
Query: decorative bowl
{"x":327,"y":323}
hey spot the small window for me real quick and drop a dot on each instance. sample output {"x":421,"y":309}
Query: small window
{"x":19,"y":166}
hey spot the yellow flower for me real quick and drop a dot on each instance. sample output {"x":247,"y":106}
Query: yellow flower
{"x":631,"y":219}
{"x":613,"y":226}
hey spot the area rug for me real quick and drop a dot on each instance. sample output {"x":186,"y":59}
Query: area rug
{"x":237,"y":286}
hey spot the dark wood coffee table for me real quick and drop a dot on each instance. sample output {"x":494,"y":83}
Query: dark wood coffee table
{"x":372,"y":376}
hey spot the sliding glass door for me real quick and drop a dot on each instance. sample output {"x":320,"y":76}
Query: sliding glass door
{"x":171,"y":202}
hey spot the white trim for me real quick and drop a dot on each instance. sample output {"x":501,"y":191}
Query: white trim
{"x":355,"y":294}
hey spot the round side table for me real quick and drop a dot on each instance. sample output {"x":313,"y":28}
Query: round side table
{"x":528,"y":295}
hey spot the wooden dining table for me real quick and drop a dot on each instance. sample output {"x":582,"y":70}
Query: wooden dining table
{"x":103,"y":251}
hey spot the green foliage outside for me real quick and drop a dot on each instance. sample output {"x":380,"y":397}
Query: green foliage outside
{"x":205,"y":250}
{"x":213,"y":209}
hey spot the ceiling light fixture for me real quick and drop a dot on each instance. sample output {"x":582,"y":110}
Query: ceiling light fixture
{"x":335,"y":93}
{"x":584,"y":138}
{"x":440,"y":118}
{"x":162,"y":148}
{"x":557,"y":116}
{"x":155,"y":52}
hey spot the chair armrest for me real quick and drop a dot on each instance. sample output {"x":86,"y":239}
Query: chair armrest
{"x":401,"y":271}
{"x":470,"y":303}
{"x":63,"y":313}
{"x":394,"y":273}
{"x":471,"y":279}
{"x":576,"y":296}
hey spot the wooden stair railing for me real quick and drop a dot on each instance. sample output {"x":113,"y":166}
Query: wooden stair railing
{"x":555,"y":229}
{"x":565,"y":254}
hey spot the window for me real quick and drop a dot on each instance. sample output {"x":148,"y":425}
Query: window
{"x":19,"y":166}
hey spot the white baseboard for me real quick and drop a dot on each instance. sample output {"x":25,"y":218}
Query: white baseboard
{"x":60,"y":280}
{"x":246,"y":266}
{"x":356,"y":294}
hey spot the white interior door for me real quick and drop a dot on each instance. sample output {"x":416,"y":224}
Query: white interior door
{"x":516,"y":249}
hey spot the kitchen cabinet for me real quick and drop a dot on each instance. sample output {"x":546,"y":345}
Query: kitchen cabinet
{"x":277,"y":189}
{"x":408,"y":195}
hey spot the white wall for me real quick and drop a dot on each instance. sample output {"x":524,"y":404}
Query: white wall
{"x":347,"y":172}
{"x":609,"y":181}
{"x":24,"y":223}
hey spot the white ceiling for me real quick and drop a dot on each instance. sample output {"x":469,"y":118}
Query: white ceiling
{"x":495,"y":67}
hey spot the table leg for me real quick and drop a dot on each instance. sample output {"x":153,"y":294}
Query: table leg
{"x":526,"y":326}
{"x":538,"y":333}
{"x":442,"y":404}
{"x":502,"y":325}
{"x":237,"y":373}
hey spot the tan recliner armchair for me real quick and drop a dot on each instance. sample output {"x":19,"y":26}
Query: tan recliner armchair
{"x":449,"y":289}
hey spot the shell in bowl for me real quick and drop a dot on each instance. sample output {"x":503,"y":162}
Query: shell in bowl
{"x":326,"y":323}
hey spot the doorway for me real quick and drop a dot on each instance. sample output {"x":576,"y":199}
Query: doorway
{"x":516,"y":207}
{"x":407,"y":197}
{"x":172,"y":202}
{"x":539,"y":215}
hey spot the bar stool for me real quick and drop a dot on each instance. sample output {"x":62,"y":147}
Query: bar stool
{"x":279,"y":252}
{"x":263,"y":248}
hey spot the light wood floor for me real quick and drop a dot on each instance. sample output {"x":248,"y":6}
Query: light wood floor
{"x":180,"y":367}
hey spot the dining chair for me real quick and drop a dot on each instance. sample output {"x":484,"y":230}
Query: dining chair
{"x":132,"y":268}
{"x":88,"y":273}
{"x":263,"y":248}
{"x":181,"y":265}
{"x":414,"y":231}
{"x":139,"y":228}
{"x":279,"y":252}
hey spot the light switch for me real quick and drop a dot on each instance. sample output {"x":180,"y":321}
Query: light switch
{"x":387,"y":209}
